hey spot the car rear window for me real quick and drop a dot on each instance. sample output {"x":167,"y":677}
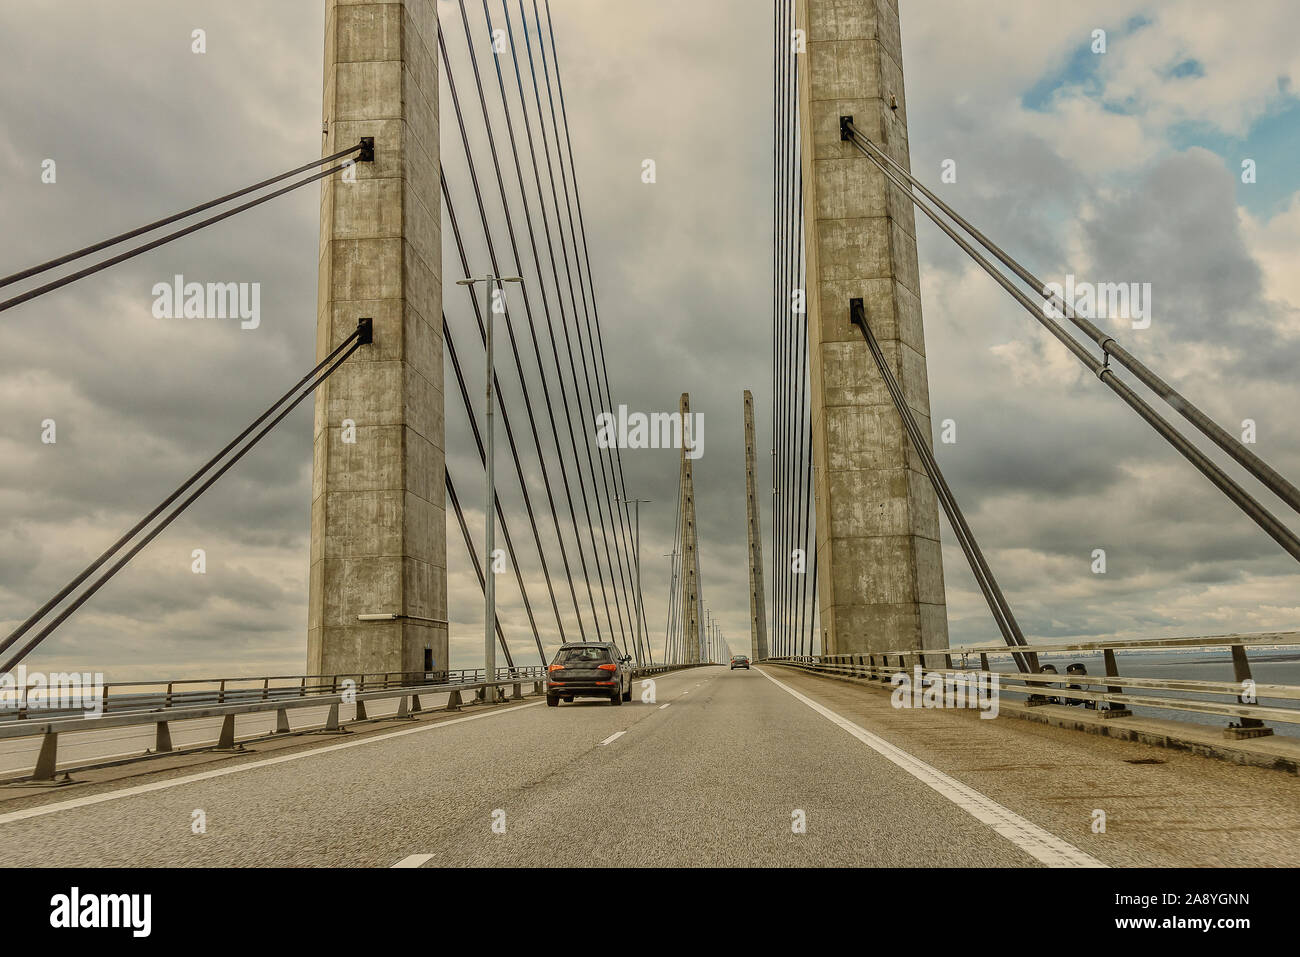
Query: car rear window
{"x":568,"y":655}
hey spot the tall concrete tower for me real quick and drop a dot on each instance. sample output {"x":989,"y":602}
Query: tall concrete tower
{"x":753,"y":521}
{"x":693,"y":627}
{"x":880,"y":583}
{"x":378,"y":532}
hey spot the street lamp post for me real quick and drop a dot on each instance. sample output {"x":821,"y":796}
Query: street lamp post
{"x":489,"y":544}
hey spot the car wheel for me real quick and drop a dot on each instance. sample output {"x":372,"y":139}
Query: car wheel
{"x":552,"y":701}
{"x":616,"y":698}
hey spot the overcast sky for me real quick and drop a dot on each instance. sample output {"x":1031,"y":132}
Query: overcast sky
{"x":1116,"y":167}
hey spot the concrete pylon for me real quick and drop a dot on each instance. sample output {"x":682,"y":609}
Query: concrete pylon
{"x":753,"y":521}
{"x":693,"y":627}
{"x":378,"y":542}
{"x":880,"y":571}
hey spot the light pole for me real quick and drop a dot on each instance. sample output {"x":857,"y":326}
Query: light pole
{"x":636,"y":507}
{"x":489,"y":544}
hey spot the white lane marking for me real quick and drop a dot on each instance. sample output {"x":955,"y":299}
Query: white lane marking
{"x":1029,"y":837}
{"x":415,"y":860}
{"x":222,"y":772}
{"x":662,"y":706}
{"x":613,"y":737}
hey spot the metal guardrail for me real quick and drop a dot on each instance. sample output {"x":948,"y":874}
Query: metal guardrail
{"x":1107,"y":697}
{"x":311,"y":691}
{"x":138,"y":695}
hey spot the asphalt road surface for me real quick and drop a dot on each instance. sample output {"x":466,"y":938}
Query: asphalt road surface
{"x":765,"y":767}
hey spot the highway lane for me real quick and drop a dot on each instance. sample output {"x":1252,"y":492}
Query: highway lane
{"x":717,"y":770}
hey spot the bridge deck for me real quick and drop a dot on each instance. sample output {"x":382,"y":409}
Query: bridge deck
{"x":712,"y":778}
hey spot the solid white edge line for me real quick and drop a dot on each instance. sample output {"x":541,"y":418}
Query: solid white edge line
{"x":613,"y":737}
{"x":415,"y":860}
{"x":89,"y":799}
{"x":1029,"y":837}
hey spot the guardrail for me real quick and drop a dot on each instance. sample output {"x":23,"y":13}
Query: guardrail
{"x":137,"y":695}
{"x":1108,"y":696}
{"x":227,"y":701}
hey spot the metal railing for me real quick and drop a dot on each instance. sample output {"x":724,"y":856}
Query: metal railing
{"x":121,"y":696}
{"x":228,"y":697}
{"x":1105,"y":693}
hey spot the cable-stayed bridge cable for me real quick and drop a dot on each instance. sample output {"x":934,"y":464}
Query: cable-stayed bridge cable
{"x":350,"y":345}
{"x":518,"y":362}
{"x":1257,"y":467}
{"x":1239,"y":496}
{"x":366,"y":145}
{"x":162,"y":241}
{"x":505,"y":527}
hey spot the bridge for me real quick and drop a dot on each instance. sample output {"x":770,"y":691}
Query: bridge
{"x":853,"y":731}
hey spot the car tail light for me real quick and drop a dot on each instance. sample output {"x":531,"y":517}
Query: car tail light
{"x":608,"y":667}
{"x":555,"y":667}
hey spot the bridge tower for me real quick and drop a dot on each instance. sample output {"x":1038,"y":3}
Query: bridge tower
{"x":880,"y":571}
{"x":753,"y":521}
{"x":378,"y":539}
{"x":693,"y":627}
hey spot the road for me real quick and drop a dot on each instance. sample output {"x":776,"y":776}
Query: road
{"x":718,"y":769}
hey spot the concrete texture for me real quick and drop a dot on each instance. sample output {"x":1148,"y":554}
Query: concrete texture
{"x":880,"y":584}
{"x":754,"y":524}
{"x":378,"y":540}
{"x":693,"y":626}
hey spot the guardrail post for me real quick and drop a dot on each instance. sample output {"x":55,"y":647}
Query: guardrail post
{"x":282,"y":721}
{"x":453,"y":700}
{"x":226,"y":742}
{"x":46,"y":763}
{"x":403,"y":708}
{"x":984,"y":662}
{"x":332,"y":721}
{"x":537,"y":687}
{"x":162,"y":740}
{"x":361,"y":709}
{"x":518,"y":694}
{"x":221,"y":692}
{"x":1247,"y":727}
{"x":266,"y":688}
{"x":1111,"y":709}
{"x":415,"y":704}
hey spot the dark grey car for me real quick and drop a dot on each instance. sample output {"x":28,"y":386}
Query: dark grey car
{"x":589,"y":669}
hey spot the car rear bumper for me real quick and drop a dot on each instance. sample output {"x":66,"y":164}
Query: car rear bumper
{"x":585,"y":688}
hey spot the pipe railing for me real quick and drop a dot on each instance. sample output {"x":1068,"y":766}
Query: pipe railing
{"x":1103,"y":693}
